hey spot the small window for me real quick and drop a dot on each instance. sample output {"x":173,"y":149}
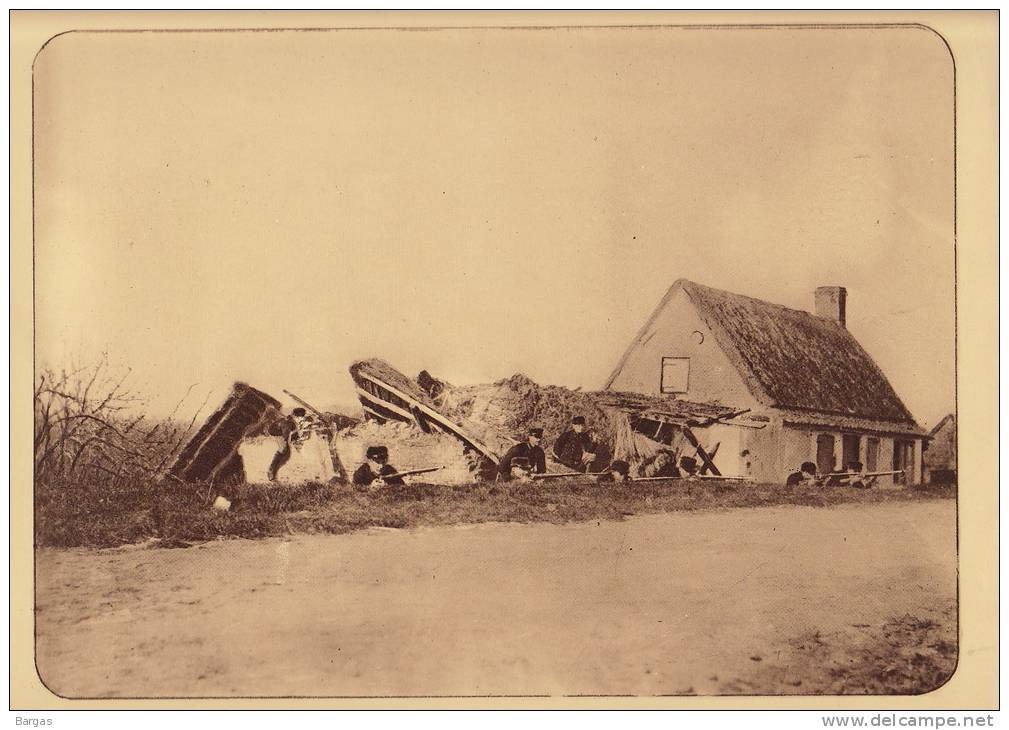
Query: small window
{"x":675,"y":373}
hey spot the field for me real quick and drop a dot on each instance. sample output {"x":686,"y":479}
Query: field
{"x":854,"y":595}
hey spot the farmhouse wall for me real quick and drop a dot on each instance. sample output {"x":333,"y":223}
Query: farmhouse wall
{"x":678,"y":331}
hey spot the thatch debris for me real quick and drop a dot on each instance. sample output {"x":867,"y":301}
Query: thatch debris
{"x":428,"y":422}
{"x":626,"y":426}
{"x":387,"y":395}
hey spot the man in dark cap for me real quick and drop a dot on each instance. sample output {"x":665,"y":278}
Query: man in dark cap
{"x":376,"y":469}
{"x":805,"y":475}
{"x":688,"y":465}
{"x":575,"y":448}
{"x":529,"y":450}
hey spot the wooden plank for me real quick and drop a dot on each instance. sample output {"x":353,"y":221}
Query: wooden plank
{"x":433,"y":415}
{"x":374,"y":413}
{"x":705,"y":458}
{"x":362,"y":393}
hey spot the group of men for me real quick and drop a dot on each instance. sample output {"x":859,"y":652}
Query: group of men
{"x":575,"y":448}
{"x":808,"y":476}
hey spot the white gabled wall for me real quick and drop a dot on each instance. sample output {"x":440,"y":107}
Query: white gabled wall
{"x":712,"y":379}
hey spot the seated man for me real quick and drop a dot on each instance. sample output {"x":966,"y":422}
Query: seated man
{"x":529,"y":450}
{"x":376,"y":471}
{"x":574,"y":448}
{"x":619,"y":471}
{"x":521,"y":470}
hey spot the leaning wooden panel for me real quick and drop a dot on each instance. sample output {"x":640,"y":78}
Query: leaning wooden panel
{"x":213,"y":452}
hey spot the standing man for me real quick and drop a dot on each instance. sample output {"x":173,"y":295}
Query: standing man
{"x":376,"y":469}
{"x":575,"y":449}
{"x":530,"y":450}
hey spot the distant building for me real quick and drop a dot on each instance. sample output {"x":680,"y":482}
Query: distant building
{"x":813,"y":393}
{"x":940,"y":457}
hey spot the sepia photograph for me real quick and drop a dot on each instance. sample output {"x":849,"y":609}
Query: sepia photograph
{"x":495,"y":361}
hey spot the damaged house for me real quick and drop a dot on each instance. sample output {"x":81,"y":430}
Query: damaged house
{"x":809,"y":389}
{"x":731,"y":386}
{"x":940,"y":458}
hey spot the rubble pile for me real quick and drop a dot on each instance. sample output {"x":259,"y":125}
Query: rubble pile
{"x":503,"y":411}
{"x":423,"y":422}
{"x":507,"y":408}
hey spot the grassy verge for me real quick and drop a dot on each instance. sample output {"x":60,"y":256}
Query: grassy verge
{"x":82,"y":515}
{"x":906,"y":655}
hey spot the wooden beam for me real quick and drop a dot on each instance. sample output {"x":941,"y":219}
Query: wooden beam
{"x":711,"y":455}
{"x":705,"y":458}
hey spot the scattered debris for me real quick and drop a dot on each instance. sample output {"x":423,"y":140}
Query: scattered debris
{"x":387,"y":395}
{"x":430,"y":421}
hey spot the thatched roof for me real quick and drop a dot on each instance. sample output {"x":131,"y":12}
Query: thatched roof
{"x":941,"y":453}
{"x":387,"y":373}
{"x":794,"y":360}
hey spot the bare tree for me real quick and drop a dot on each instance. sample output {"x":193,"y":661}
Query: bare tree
{"x":89,"y":426}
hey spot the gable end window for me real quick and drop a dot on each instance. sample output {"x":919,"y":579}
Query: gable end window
{"x":675,"y":374}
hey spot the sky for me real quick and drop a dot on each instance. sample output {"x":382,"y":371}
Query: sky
{"x":270,"y":206}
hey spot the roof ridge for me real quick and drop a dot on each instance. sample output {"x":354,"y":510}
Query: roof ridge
{"x":761,"y":301}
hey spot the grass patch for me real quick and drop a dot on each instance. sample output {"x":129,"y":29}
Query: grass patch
{"x":907,"y":655}
{"x":83,"y":515}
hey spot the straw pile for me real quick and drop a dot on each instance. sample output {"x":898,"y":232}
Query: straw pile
{"x":503,"y":412}
{"x":499,"y":414}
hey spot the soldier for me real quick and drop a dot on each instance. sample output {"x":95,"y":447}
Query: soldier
{"x":619,"y":471}
{"x":688,"y":465}
{"x":574,"y":449}
{"x":281,"y":430}
{"x":376,"y":471}
{"x":805,"y":475}
{"x":530,"y":450}
{"x":662,"y":464}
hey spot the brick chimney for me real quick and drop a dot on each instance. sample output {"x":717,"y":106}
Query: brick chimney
{"x":830,"y":302}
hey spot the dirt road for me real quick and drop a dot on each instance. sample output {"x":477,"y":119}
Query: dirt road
{"x":658,"y":604}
